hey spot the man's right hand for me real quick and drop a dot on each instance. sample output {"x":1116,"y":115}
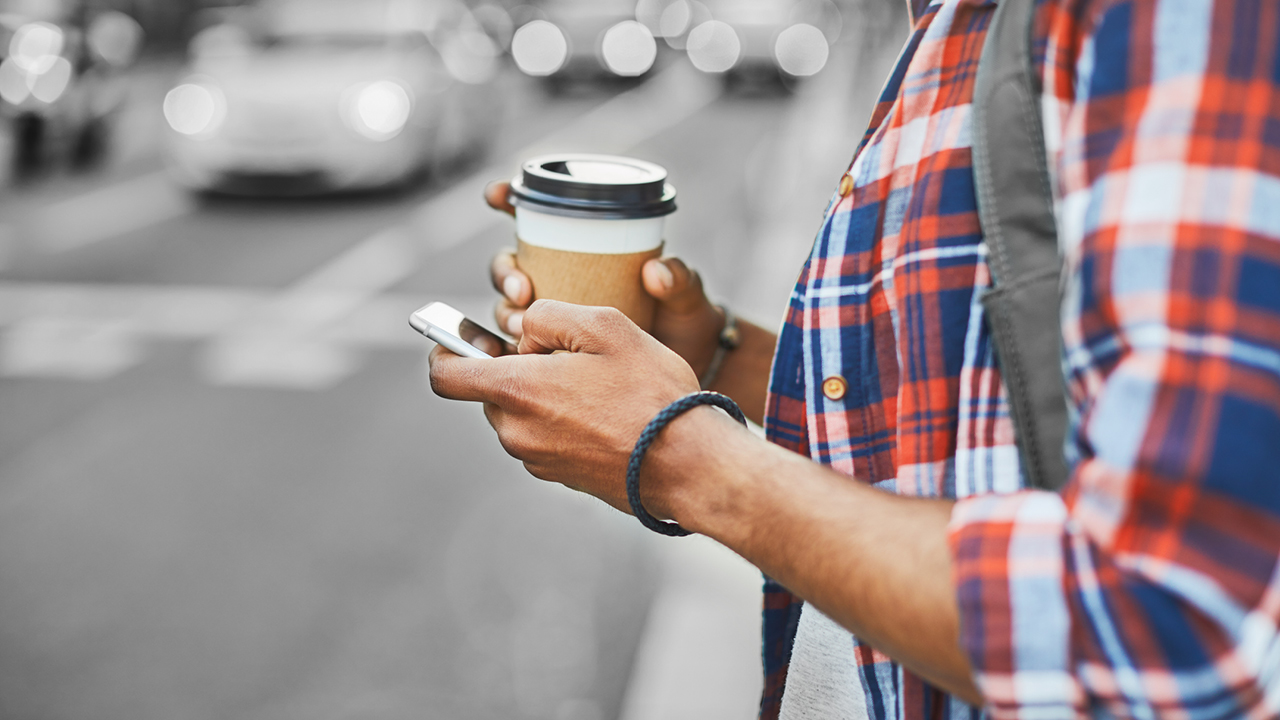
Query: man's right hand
{"x":684,"y":320}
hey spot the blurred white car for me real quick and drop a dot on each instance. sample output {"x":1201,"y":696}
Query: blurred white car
{"x":301,"y":96}
{"x":584,"y":40}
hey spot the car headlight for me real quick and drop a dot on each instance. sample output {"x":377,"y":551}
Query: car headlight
{"x":539,"y":48}
{"x":801,"y":50}
{"x":714,"y":47}
{"x":629,"y":49}
{"x":195,"y":108}
{"x":377,"y":110}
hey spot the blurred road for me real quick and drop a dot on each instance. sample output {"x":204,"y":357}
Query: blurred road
{"x":226,"y":491}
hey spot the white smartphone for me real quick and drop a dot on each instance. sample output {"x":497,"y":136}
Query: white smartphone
{"x":449,"y":327}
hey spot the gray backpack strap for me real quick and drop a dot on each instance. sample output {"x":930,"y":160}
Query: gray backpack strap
{"x":1015,"y":207}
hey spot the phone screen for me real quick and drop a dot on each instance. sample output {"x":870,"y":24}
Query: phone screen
{"x":452,"y":321}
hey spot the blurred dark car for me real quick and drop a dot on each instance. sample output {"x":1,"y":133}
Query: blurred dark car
{"x":61,"y":81}
{"x":583,"y":41}
{"x":752,"y":40}
{"x":291,"y":97}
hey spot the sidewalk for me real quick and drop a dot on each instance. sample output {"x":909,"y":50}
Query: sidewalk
{"x":700,"y":654}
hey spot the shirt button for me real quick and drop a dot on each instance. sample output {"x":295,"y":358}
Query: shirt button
{"x":846,"y":185}
{"x":834,"y":387}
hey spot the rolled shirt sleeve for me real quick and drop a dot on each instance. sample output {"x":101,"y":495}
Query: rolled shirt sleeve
{"x":1150,"y":587}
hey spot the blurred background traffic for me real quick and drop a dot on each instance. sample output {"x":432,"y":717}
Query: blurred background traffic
{"x":320,"y":95}
{"x":225,"y":489}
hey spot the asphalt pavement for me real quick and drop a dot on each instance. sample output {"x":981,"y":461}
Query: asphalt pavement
{"x":226,"y":490}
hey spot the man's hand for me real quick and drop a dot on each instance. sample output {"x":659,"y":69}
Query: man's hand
{"x":685,"y":320}
{"x":572,"y":417}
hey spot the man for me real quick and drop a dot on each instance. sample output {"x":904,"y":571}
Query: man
{"x":1151,"y":586}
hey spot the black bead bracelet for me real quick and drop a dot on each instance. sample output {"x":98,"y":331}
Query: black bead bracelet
{"x":655,"y":426}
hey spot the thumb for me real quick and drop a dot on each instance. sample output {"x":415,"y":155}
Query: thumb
{"x":498,"y":195}
{"x":674,"y":285}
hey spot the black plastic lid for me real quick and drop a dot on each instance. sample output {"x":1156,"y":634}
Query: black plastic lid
{"x":594,"y":186}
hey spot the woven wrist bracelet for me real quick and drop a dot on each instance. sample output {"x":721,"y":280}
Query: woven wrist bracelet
{"x":655,"y":426}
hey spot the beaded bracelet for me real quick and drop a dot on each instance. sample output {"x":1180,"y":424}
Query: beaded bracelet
{"x":655,"y":426}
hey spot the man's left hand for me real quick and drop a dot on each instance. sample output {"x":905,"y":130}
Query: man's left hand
{"x":572,"y":416}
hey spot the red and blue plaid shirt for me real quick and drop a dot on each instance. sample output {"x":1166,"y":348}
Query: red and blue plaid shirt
{"x":1151,"y":586}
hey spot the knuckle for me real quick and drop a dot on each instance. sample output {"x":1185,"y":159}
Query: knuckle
{"x":609,"y":322}
{"x":540,"y":307}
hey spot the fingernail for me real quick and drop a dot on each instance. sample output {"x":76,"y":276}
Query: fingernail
{"x":665,"y":277}
{"x":511,"y":288}
{"x":515,"y":323}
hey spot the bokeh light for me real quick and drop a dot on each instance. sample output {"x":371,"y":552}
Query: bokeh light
{"x":675,"y":19}
{"x":801,"y":50}
{"x":471,"y":57}
{"x":49,"y":85}
{"x":714,"y":47}
{"x":194,"y":108}
{"x":13,"y":83}
{"x":539,"y":48}
{"x":115,"y":37}
{"x":629,"y":49}
{"x":36,"y":46}
{"x":380,"y":110}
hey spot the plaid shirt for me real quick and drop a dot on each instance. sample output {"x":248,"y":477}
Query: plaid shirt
{"x":1151,"y":586}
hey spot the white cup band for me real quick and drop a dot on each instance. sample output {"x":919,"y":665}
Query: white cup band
{"x":586,"y":235}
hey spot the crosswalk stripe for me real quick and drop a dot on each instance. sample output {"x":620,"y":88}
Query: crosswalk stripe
{"x":68,"y":348}
{"x":92,"y":332}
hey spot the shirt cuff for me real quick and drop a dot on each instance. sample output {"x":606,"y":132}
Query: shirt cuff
{"x":1008,"y":558}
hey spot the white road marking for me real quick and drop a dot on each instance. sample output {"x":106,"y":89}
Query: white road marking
{"x":155,"y":311}
{"x":110,"y":212}
{"x":68,"y":348}
{"x":172,"y":313}
{"x":277,"y":344}
{"x":265,"y":361}
{"x":699,"y":656}
{"x":256,"y":337}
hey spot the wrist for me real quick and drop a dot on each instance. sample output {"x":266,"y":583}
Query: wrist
{"x":691,"y":473}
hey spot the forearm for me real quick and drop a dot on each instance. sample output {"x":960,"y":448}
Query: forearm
{"x":876,"y":563}
{"x":744,"y":376}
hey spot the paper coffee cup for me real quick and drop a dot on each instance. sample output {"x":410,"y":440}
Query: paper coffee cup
{"x":587,"y":224}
